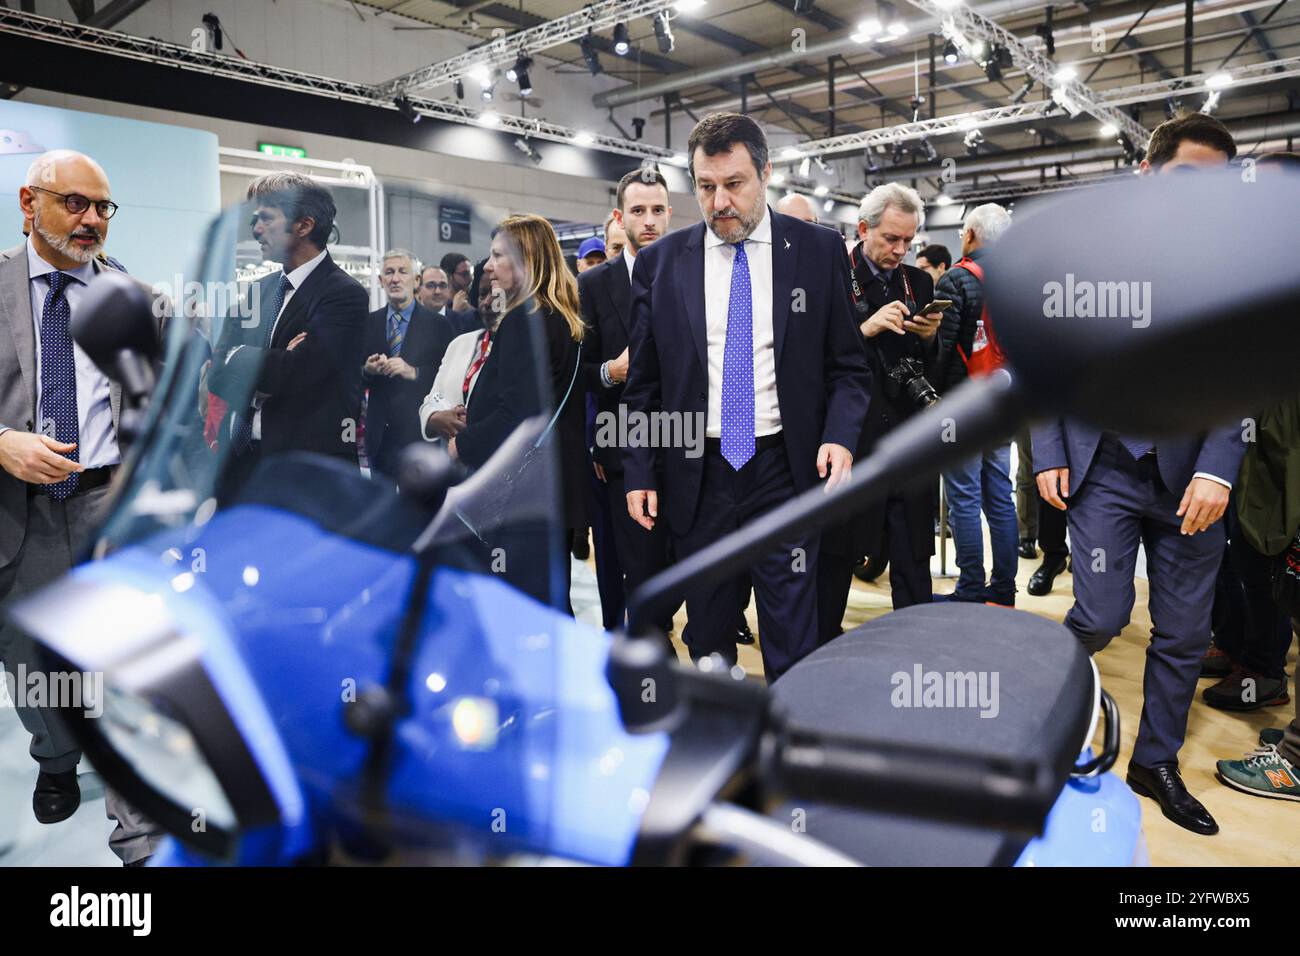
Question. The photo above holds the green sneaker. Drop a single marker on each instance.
(1270, 737)
(1265, 773)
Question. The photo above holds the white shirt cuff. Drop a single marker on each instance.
(1216, 478)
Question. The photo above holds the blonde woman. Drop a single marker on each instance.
(538, 295)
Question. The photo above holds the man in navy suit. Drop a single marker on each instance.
(742, 324)
(1169, 495)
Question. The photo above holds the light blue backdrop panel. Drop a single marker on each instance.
(165, 178)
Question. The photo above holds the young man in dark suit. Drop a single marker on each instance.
(291, 373)
(887, 295)
(742, 324)
(642, 213)
(404, 345)
(1168, 495)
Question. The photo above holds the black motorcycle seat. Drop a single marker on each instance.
(926, 675)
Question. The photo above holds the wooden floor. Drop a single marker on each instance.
(1253, 831)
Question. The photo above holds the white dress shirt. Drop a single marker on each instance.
(96, 440)
(718, 259)
(629, 259)
(296, 278)
(450, 380)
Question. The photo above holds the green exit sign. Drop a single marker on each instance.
(275, 149)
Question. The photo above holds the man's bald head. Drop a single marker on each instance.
(63, 238)
(797, 205)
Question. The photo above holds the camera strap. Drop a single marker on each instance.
(857, 289)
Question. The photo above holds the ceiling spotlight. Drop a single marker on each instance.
(974, 139)
(1217, 81)
(525, 84)
(828, 205)
(521, 65)
(583, 138)
(589, 54)
(459, 87)
(870, 26)
(950, 53)
(489, 118)
(1044, 30)
(1065, 74)
(527, 149)
(638, 126)
(978, 49)
(821, 190)
(943, 199)
(663, 32)
(489, 91)
(822, 165)
(405, 107)
(621, 42)
(931, 154)
(1211, 104)
(481, 73)
(1108, 130)
(1130, 152)
(899, 154)
(805, 167)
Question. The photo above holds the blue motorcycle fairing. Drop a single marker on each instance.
(513, 734)
(1096, 821)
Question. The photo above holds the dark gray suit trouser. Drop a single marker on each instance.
(55, 534)
(1120, 504)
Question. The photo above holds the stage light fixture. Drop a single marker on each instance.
(974, 139)
(638, 127)
(590, 55)
(950, 54)
(1020, 94)
(805, 167)
(663, 32)
(459, 87)
(525, 147)
(621, 42)
(405, 107)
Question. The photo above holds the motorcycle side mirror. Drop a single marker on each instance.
(117, 328)
(1133, 307)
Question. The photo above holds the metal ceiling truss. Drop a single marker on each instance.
(1071, 93)
(503, 50)
(1108, 100)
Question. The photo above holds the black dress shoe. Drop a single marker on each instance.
(1027, 549)
(1040, 582)
(870, 570)
(744, 635)
(56, 796)
(1163, 784)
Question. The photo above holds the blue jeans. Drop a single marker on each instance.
(983, 482)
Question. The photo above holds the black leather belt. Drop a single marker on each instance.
(88, 480)
(761, 442)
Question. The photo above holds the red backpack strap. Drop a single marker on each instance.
(971, 266)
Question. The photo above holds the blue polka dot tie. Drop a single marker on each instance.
(59, 379)
(738, 367)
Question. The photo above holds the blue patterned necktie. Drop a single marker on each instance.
(1137, 447)
(738, 367)
(242, 431)
(395, 334)
(59, 379)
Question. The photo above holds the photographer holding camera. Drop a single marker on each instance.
(902, 349)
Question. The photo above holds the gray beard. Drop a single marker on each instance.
(65, 246)
(747, 223)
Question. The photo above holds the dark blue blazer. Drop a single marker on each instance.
(822, 380)
(1065, 443)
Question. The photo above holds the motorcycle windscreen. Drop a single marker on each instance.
(305, 441)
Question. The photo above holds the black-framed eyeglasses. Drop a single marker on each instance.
(435, 285)
(76, 203)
